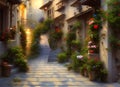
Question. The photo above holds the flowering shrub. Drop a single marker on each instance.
(5, 36)
(94, 28)
(55, 36)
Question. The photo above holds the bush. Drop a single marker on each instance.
(75, 62)
(12, 54)
(62, 57)
(16, 57)
(54, 38)
(23, 37)
(76, 45)
(22, 65)
(34, 49)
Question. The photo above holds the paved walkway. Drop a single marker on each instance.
(49, 74)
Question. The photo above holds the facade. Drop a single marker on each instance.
(8, 21)
(3, 22)
(34, 14)
(66, 12)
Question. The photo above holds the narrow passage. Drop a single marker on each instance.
(48, 74)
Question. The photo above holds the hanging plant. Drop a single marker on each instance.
(95, 24)
(113, 13)
(113, 17)
(55, 37)
(5, 36)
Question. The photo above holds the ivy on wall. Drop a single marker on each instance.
(113, 17)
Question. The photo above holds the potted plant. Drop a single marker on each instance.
(94, 68)
(62, 57)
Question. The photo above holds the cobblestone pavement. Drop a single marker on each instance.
(49, 74)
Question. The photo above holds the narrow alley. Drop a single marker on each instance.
(59, 43)
(48, 74)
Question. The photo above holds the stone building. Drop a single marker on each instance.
(8, 20)
(66, 12)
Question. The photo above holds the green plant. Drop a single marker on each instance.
(54, 38)
(103, 75)
(113, 17)
(94, 65)
(76, 25)
(113, 13)
(70, 37)
(76, 63)
(46, 26)
(16, 57)
(42, 28)
(62, 57)
(13, 53)
(17, 79)
(23, 37)
(81, 70)
(75, 44)
(115, 42)
(34, 49)
(22, 65)
(4, 36)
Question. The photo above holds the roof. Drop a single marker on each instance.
(46, 4)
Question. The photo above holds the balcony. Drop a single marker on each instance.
(60, 6)
(76, 3)
(92, 3)
(83, 13)
(14, 1)
(46, 5)
(59, 17)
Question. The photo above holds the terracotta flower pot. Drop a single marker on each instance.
(91, 51)
(91, 75)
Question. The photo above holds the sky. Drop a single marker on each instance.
(35, 11)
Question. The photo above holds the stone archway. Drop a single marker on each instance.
(44, 40)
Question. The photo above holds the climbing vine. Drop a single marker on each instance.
(113, 17)
(95, 24)
(23, 38)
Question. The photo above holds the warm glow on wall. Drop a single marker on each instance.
(36, 3)
(22, 11)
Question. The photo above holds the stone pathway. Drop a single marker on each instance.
(49, 74)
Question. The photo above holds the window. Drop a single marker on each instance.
(50, 13)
